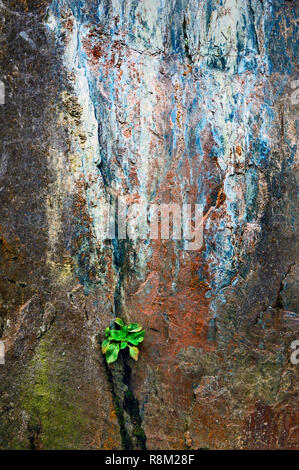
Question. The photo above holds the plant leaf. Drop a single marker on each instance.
(136, 338)
(132, 341)
(123, 345)
(119, 321)
(135, 342)
(105, 345)
(107, 332)
(134, 352)
(112, 352)
(134, 327)
(118, 335)
(139, 334)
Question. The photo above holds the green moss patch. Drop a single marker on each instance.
(55, 419)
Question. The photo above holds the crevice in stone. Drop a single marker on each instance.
(125, 437)
(34, 435)
(2, 327)
(131, 405)
(126, 405)
(186, 40)
(18, 283)
(279, 302)
(102, 172)
(252, 14)
(119, 375)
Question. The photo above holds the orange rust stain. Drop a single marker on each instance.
(97, 51)
(178, 100)
(69, 24)
(4, 243)
(195, 283)
(239, 150)
(189, 70)
(127, 132)
(220, 198)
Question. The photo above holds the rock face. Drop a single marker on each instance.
(184, 101)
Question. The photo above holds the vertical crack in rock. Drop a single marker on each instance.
(118, 405)
(251, 13)
(119, 376)
(186, 40)
(34, 432)
(126, 404)
(279, 300)
(131, 406)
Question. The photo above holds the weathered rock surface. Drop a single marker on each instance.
(184, 101)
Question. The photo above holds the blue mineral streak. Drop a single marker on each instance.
(235, 49)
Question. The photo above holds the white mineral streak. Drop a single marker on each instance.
(86, 151)
(134, 112)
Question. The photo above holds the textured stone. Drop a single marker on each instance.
(186, 101)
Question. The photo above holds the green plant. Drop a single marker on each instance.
(121, 337)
